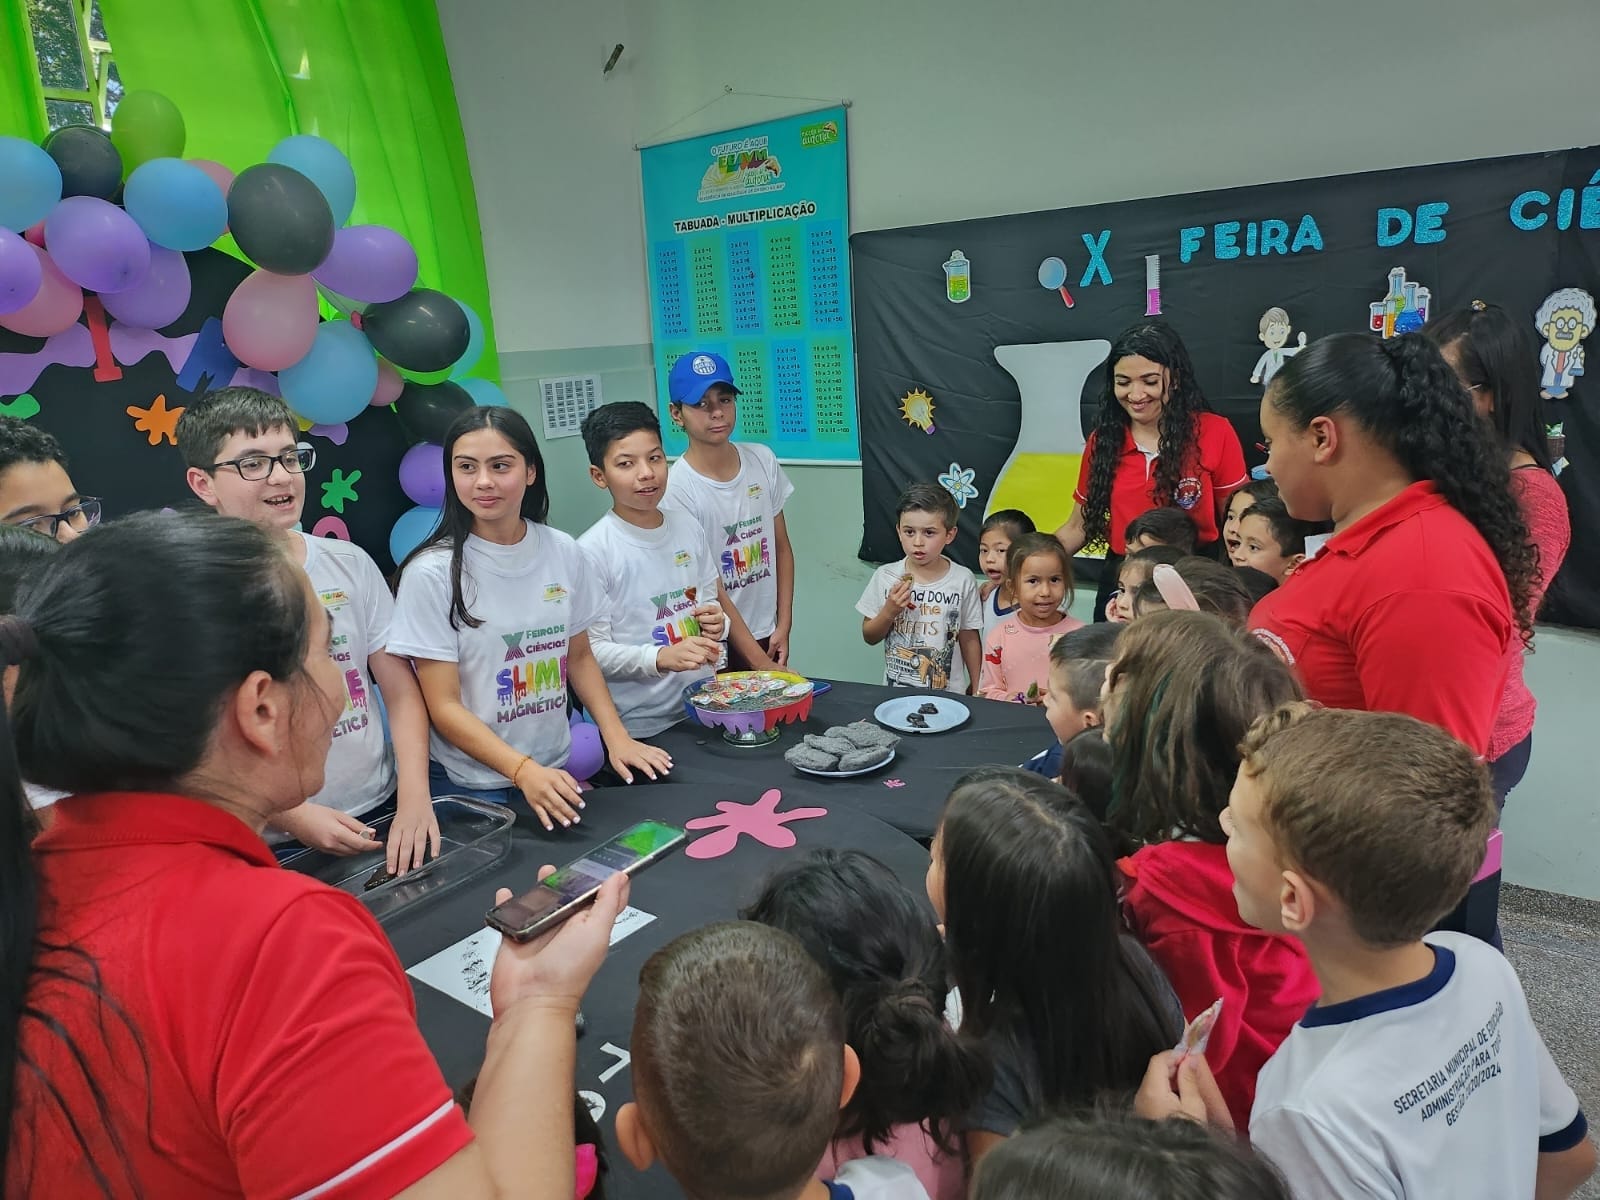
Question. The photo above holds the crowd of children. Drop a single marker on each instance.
(1198, 839)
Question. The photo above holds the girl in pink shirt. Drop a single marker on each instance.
(1016, 654)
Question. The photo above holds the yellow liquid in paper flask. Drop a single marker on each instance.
(1042, 471)
(1040, 485)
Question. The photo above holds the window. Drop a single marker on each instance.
(76, 69)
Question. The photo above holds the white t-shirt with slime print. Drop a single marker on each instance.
(532, 598)
(360, 771)
(644, 574)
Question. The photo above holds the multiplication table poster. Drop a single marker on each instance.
(746, 237)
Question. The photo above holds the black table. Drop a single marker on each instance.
(927, 764)
(684, 893)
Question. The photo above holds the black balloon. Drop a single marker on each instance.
(90, 164)
(427, 410)
(280, 219)
(422, 331)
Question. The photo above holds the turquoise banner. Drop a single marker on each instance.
(748, 254)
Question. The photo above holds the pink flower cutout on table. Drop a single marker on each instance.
(894, 783)
(760, 820)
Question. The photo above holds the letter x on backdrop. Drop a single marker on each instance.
(981, 344)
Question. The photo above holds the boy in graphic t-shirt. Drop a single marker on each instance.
(736, 491)
(664, 612)
(245, 460)
(924, 607)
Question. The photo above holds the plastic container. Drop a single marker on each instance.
(473, 836)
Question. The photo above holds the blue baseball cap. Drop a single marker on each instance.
(694, 374)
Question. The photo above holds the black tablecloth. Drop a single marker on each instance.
(684, 893)
(927, 764)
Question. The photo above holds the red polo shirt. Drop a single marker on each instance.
(1404, 611)
(274, 1050)
(1213, 472)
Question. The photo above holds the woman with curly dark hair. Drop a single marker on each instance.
(1429, 578)
(1156, 444)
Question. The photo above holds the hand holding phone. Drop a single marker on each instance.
(560, 894)
(555, 970)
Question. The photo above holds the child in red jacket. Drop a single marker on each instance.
(1180, 696)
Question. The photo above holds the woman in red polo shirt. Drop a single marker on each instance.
(1156, 444)
(1427, 582)
(180, 1017)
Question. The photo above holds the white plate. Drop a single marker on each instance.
(883, 762)
(893, 713)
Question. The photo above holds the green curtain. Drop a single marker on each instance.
(369, 75)
(21, 101)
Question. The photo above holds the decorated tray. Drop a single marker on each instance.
(749, 706)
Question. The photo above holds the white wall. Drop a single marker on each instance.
(963, 109)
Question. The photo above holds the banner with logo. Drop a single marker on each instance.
(746, 238)
(982, 343)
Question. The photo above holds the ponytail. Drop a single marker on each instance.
(1406, 396)
(1441, 438)
(884, 956)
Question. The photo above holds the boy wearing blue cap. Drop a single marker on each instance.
(737, 492)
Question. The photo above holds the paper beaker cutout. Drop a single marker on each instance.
(1040, 474)
(1053, 275)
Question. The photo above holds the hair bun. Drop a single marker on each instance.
(17, 640)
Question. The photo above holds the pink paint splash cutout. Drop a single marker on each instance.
(760, 820)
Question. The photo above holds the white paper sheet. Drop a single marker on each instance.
(462, 971)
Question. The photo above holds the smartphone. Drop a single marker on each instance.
(555, 899)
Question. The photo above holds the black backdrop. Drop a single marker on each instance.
(113, 459)
(910, 336)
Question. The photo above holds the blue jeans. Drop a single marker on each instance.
(440, 784)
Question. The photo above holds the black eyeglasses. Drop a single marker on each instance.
(259, 466)
(80, 516)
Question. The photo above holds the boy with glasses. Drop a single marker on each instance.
(36, 493)
(245, 460)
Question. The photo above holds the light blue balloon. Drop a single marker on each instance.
(320, 161)
(335, 381)
(414, 525)
(485, 393)
(474, 351)
(30, 184)
(177, 204)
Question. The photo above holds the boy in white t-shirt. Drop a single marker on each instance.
(662, 617)
(925, 607)
(245, 460)
(1418, 1073)
(737, 492)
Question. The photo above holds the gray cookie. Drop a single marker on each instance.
(812, 760)
(829, 744)
(868, 736)
(860, 760)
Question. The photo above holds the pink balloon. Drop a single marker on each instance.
(390, 385)
(35, 234)
(57, 306)
(271, 320)
(219, 174)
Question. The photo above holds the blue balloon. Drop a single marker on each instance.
(30, 184)
(474, 351)
(177, 204)
(414, 525)
(334, 382)
(320, 161)
(485, 393)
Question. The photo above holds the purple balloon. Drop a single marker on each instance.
(370, 263)
(159, 298)
(20, 272)
(97, 245)
(588, 752)
(422, 474)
